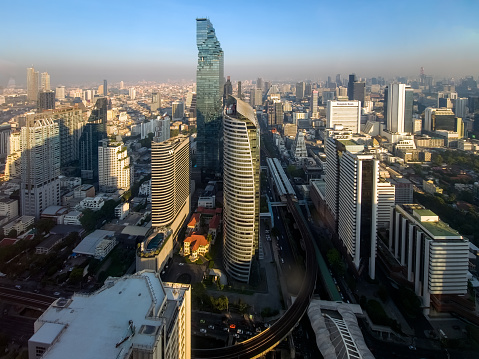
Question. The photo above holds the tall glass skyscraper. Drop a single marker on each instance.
(209, 90)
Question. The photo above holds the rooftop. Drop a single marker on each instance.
(98, 325)
(88, 244)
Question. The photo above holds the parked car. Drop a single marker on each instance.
(202, 330)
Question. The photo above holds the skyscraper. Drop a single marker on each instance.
(94, 131)
(170, 183)
(241, 188)
(46, 100)
(32, 84)
(105, 88)
(239, 90)
(300, 88)
(228, 89)
(352, 80)
(155, 101)
(209, 89)
(177, 110)
(398, 108)
(313, 105)
(114, 170)
(45, 79)
(40, 162)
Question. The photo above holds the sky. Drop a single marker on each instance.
(84, 42)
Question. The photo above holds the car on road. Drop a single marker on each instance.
(202, 321)
(202, 330)
(18, 286)
(232, 326)
(282, 260)
(239, 331)
(181, 264)
(56, 294)
(236, 335)
(226, 329)
(412, 347)
(211, 326)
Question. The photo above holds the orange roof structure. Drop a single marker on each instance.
(194, 219)
(196, 241)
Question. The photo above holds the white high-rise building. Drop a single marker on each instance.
(45, 81)
(32, 84)
(170, 182)
(60, 92)
(435, 255)
(241, 181)
(137, 315)
(313, 105)
(161, 128)
(40, 165)
(132, 93)
(114, 170)
(358, 208)
(346, 113)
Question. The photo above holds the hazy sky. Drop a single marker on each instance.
(81, 42)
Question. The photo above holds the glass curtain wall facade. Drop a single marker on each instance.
(241, 188)
(209, 91)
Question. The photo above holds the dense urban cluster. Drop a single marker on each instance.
(180, 217)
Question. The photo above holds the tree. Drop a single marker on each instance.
(335, 261)
(76, 275)
(44, 225)
(12, 234)
(88, 220)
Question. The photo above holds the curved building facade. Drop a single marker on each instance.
(241, 188)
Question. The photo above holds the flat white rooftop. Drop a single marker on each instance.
(88, 245)
(94, 325)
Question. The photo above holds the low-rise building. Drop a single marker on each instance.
(8, 207)
(93, 203)
(73, 218)
(122, 210)
(431, 188)
(83, 191)
(55, 213)
(195, 245)
(97, 244)
(154, 251)
(19, 224)
(48, 243)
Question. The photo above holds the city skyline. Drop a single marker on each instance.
(308, 42)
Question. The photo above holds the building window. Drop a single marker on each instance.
(40, 351)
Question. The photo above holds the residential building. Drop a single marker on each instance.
(114, 170)
(398, 106)
(241, 190)
(195, 245)
(434, 255)
(177, 110)
(298, 149)
(46, 100)
(313, 105)
(300, 88)
(138, 315)
(19, 224)
(40, 165)
(209, 90)
(93, 203)
(45, 81)
(8, 207)
(345, 113)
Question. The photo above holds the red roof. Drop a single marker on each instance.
(215, 221)
(7, 242)
(196, 241)
(194, 219)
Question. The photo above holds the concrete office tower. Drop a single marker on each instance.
(170, 183)
(352, 80)
(46, 100)
(308, 90)
(60, 92)
(313, 105)
(40, 163)
(345, 113)
(5, 131)
(298, 149)
(435, 255)
(45, 81)
(386, 202)
(177, 110)
(240, 95)
(358, 208)
(256, 97)
(155, 101)
(138, 315)
(327, 96)
(105, 88)
(114, 170)
(209, 90)
(227, 89)
(439, 119)
(241, 189)
(32, 84)
(300, 88)
(122, 85)
(461, 109)
(398, 106)
(94, 131)
(132, 93)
